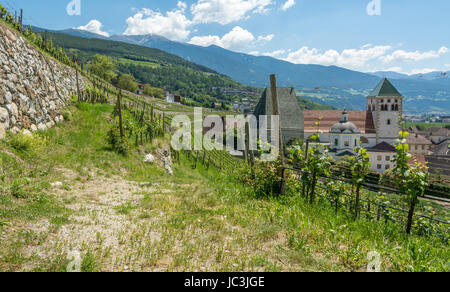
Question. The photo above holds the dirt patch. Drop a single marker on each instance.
(103, 222)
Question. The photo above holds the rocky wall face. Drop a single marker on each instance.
(34, 88)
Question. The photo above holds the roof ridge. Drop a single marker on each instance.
(385, 88)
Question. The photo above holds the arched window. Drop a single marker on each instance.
(393, 108)
(396, 107)
(389, 121)
(373, 108)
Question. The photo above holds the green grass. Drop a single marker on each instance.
(196, 220)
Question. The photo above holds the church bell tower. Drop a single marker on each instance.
(385, 103)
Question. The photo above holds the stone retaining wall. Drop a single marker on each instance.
(34, 88)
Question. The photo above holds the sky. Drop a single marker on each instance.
(405, 36)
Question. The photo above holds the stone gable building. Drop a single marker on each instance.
(291, 115)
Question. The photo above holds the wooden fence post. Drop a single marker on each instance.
(119, 97)
(78, 85)
(358, 188)
(410, 216)
(21, 20)
(164, 123)
(306, 157)
(276, 112)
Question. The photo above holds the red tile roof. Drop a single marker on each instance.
(415, 139)
(362, 119)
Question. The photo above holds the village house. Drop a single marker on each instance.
(140, 89)
(418, 145)
(381, 157)
(434, 134)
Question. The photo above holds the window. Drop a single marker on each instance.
(393, 107)
(389, 121)
(389, 101)
(423, 147)
(388, 158)
(373, 108)
(336, 142)
(416, 147)
(379, 166)
(379, 158)
(346, 144)
(387, 166)
(356, 142)
(396, 107)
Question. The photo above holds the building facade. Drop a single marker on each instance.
(375, 128)
(380, 122)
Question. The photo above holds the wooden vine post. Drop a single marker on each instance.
(306, 157)
(276, 112)
(246, 143)
(119, 107)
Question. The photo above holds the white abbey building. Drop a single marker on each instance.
(375, 128)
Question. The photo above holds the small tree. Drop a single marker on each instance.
(127, 82)
(315, 164)
(410, 179)
(359, 167)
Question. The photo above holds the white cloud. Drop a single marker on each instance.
(359, 59)
(266, 38)
(173, 25)
(350, 58)
(273, 54)
(94, 26)
(288, 5)
(401, 55)
(238, 39)
(227, 11)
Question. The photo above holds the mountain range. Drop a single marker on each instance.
(330, 85)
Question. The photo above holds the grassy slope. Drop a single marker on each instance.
(195, 220)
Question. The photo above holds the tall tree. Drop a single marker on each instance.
(104, 67)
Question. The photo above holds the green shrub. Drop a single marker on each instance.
(117, 143)
(83, 106)
(27, 143)
(16, 189)
(263, 179)
(89, 264)
(67, 115)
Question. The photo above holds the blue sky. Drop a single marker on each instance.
(409, 36)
